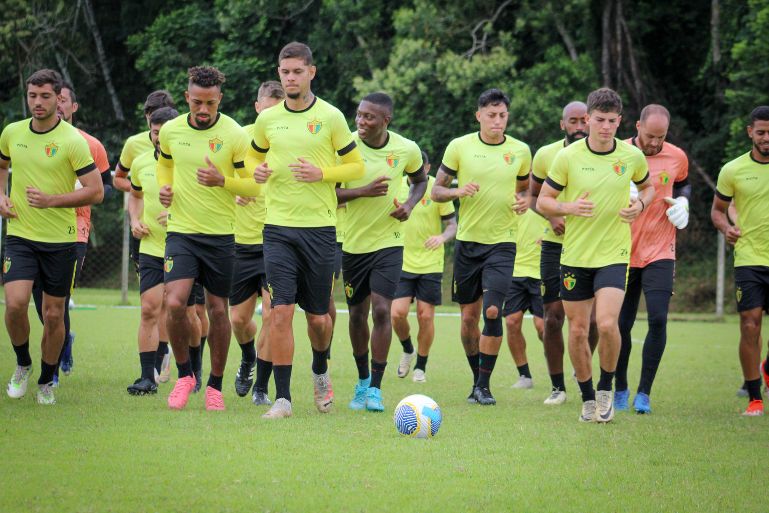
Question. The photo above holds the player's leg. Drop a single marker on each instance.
(151, 309)
(203, 321)
(331, 303)
(578, 314)
(66, 360)
(516, 303)
(246, 283)
(17, 296)
(429, 295)
(180, 330)
(751, 293)
(163, 353)
(356, 270)
(263, 358)
(404, 295)
(467, 291)
(627, 319)
(194, 340)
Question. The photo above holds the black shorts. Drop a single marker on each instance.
(338, 261)
(377, 272)
(150, 272)
(580, 283)
(52, 264)
(299, 264)
(424, 287)
(197, 295)
(208, 259)
(550, 270)
(248, 276)
(657, 276)
(524, 294)
(751, 287)
(481, 267)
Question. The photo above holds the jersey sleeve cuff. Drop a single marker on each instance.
(85, 170)
(257, 148)
(448, 217)
(347, 149)
(239, 165)
(135, 187)
(537, 179)
(555, 185)
(165, 155)
(682, 183)
(446, 169)
(646, 177)
(723, 196)
(521, 178)
(4, 156)
(415, 172)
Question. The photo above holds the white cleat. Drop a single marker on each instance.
(165, 369)
(17, 386)
(524, 383)
(280, 409)
(405, 366)
(419, 376)
(323, 392)
(44, 394)
(556, 397)
(605, 408)
(588, 412)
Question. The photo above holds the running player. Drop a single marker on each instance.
(745, 181)
(652, 256)
(422, 274)
(373, 245)
(492, 170)
(596, 245)
(297, 144)
(48, 155)
(249, 279)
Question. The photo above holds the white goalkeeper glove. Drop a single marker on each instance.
(678, 213)
(633, 192)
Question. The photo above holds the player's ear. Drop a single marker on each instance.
(478, 115)
(312, 72)
(638, 125)
(187, 96)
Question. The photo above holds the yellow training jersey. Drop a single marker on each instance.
(136, 145)
(747, 182)
(144, 178)
(197, 208)
(341, 224)
(528, 245)
(249, 219)
(369, 226)
(540, 166)
(603, 239)
(424, 222)
(51, 162)
(316, 134)
(487, 217)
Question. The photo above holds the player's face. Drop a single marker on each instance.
(42, 101)
(66, 106)
(265, 102)
(295, 77)
(155, 134)
(759, 133)
(493, 120)
(371, 120)
(651, 134)
(603, 125)
(574, 123)
(204, 104)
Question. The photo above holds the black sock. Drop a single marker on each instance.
(361, 361)
(46, 372)
(605, 382)
(754, 389)
(196, 358)
(23, 359)
(248, 351)
(586, 387)
(203, 343)
(485, 368)
(319, 361)
(377, 372)
(147, 361)
(472, 359)
(766, 365)
(185, 369)
(282, 375)
(263, 371)
(215, 382)
(557, 381)
(523, 370)
(160, 354)
(408, 347)
(421, 362)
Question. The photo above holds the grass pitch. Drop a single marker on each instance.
(101, 450)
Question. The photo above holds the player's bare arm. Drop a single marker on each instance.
(448, 234)
(377, 187)
(720, 219)
(91, 193)
(135, 209)
(6, 207)
(442, 191)
(548, 204)
(645, 197)
(417, 190)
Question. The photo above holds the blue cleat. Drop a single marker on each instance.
(67, 361)
(359, 400)
(641, 403)
(374, 399)
(621, 399)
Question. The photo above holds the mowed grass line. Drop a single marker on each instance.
(99, 450)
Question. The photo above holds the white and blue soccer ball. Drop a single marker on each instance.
(418, 416)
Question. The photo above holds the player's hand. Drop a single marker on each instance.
(6, 207)
(558, 224)
(629, 214)
(243, 200)
(378, 187)
(139, 230)
(305, 172)
(582, 207)
(469, 189)
(166, 195)
(210, 176)
(262, 173)
(678, 213)
(162, 218)
(402, 211)
(37, 198)
(434, 242)
(732, 234)
(521, 204)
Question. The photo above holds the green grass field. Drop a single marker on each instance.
(100, 450)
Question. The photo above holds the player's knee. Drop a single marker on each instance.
(53, 315)
(514, 321)
(606, 325)
(318, 322)
(424, 316)
(578, 331)
(238, 319)
(491, 312)
(380, 314)
(150, 313)
(492, 327)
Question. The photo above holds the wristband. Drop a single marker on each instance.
(643, 205)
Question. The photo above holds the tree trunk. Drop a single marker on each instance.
(90, 20)
(567, 40)
(606, 43)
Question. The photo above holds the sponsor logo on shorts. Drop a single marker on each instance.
(348, 290)
(509, 158)
(392, 160)
(51, 149)
(168, 264)
(7, 264)
(269, 290)
(215, 144)
(664, 178)
(314, 126)
(569, 281)
(542, 289)
(737, 293)
(619, 168)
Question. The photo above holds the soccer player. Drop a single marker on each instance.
(373, 244)
(652, 254)
(492, 170)
(48, 155)
(593, 176)
(574, 127)
(201, 156)
(745, 181)
(147, 224)
(297, 144)
(249, 279)
(525, 293)
(422, 274)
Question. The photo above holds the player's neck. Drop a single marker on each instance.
(598, 146)
(756, 155)
(44, 125)
(302, 102)
(378, 141)
(492, 138)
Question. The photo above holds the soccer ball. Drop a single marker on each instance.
(417, 416)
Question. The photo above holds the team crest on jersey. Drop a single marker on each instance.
(737, 293)
(168, 265)
(569, 281)
(215, 144)
(51, 149)
(664, 178)
(509, 158)
(348, 290)
(619, 168)
(7, 264)
(425, 201)
(314, 126)
(392, 160)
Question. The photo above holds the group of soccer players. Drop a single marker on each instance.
(225, 215)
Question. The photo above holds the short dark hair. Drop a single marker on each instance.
(46, 76)
(205, 76)
(270, 89)
(67, 85)
(296, 50)
(605, 100)
(157, 100)
(163, 115)
(652, 109)
(381, 99)
(425, 159)
(493, 97)
(759, 114)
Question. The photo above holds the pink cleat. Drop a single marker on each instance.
(179, 396)
(214, 399)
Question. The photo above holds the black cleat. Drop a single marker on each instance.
(471, 398)
(244, 378)
(143, 386)
(259, 398)
(483, 396)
